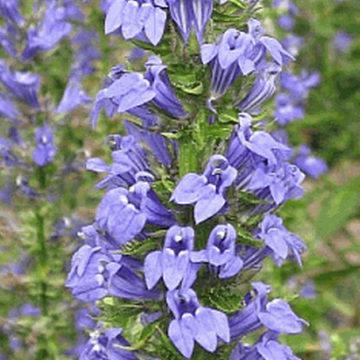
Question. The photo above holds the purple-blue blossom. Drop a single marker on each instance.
(23, 85)
(229, 58)
(220, 252)
(136, 206)
(208, 190)
(106, 345)
(143, 20)
(282, 243)
(189, 14)
(310, 164)
(9, 10)
(194, 322)
(276, 315)
(263, 88)
(266, 348)
(173, 263)
(51, 29)
(45, 150)
(74, 95)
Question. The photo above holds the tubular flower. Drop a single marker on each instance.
(282, 243)
(173, 262)
(262, 90)
(194, 322)
(45, 151)
(207, 191)
(141, 19)
(220, 252)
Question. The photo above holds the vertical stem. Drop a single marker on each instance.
(42, 254)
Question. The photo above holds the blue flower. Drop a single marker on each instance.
(207, 191)
(45, 151)
(125, 93)
(106, 345)
(9, 9)
(276, 315)
(173, 262)
(246, 146)
(135, 207)
(310, 164)
(88, 276)
(74, 95)
(129, 162)
(277, 183)
(165, 98)
(220, 252)
(97, 272)
(266, 348)
(286, 110)
(279, 239)
(194, 322)
(266, 44)
(155, 141)
(229, 58)
(144, 20)
(9, 37)
(191, 13)
(52, 28)
(299, 86)
(24, 85)
(263, 88)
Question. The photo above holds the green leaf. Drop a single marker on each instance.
(193, 88)
(140, 248)
(338, 208)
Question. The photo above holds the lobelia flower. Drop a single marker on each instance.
(279, 239)
(155, 141)
(342, 42)
(299, 86)
(173, 262)
(96, 273)
(191, 13)
(8, 108)
(9, 9)
(136, 207)
(277, 183)
(310, 164)
(229, 58)
(275, 315)
(266, 44)
(52, 28)
(127, 92)
(106, 345)
(45, 151)
(194, 322)
(86, 52)
(24, 85)
(74, 95)
(220, 252)
(286, 110)
(144, 20)
(165, 98)
(263, 88)
(247, 149)
(9, 36)
(129, 162)
(293, 44)
(208, 190)
(266, 348)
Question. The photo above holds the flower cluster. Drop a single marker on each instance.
(291, 101)
(190, 233)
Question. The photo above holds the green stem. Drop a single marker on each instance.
(42, 250)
